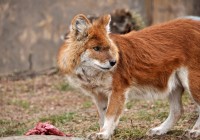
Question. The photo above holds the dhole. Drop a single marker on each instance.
(156, 62)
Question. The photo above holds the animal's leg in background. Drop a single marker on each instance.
(176, 110)
(101, 102)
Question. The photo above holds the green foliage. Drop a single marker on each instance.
(138, 21)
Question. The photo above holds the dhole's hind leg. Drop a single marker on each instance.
(194, 81)
(174, 114)
(195, 131)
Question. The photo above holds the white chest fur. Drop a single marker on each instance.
(91, 81)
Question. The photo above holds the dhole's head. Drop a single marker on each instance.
(88, 44)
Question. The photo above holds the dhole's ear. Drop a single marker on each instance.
(80, 25)
(105, 21)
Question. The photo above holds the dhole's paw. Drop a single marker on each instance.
(156, 131)
(99, 136)
(193, 134)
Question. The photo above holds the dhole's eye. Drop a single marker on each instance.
(97, 48)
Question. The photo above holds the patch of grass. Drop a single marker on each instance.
(87, 104)
(10, 128)
(161, 104)
(94, 127)
(129, 105)
(186, 99)
(144, 115)
(59, 119)
(175, 132)
(64, 86)
(161, 115)
(127, 133)
(124, 118)
(21, 103)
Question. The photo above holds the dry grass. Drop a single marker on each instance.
(23, 103)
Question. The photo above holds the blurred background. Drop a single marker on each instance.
(31, 30)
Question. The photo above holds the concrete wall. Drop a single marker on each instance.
(30, 30)
(164, 10)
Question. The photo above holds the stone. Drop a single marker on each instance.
(40, 137)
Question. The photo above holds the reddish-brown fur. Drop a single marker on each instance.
(157, 51)
(146, 58)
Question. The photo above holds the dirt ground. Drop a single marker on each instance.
(24, 102)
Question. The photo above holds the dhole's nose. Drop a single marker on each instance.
(112, 62)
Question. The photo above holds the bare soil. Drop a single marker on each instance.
(24, 102)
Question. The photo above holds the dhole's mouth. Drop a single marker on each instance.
(103, 67)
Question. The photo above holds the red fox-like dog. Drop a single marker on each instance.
(156, 62)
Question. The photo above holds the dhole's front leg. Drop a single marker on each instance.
(113, 112)
(101, 102)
